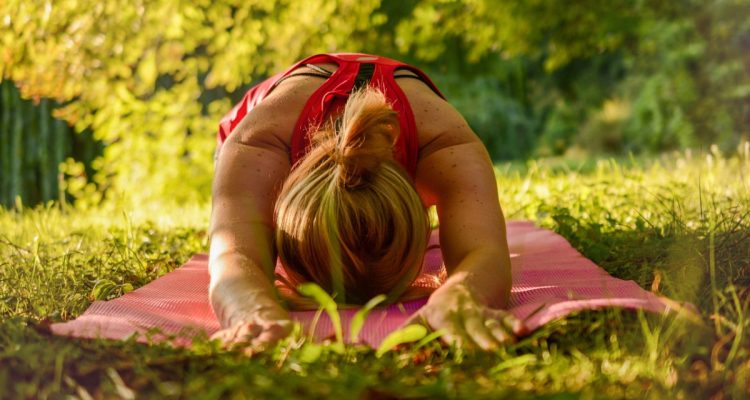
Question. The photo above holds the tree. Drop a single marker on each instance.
(151, 78)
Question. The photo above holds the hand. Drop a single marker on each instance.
(250, 315)
(467, 322)
(254, 335)
(256, 327)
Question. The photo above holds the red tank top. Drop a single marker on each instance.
(332, 95)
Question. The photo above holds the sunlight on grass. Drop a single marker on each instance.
(678, 224)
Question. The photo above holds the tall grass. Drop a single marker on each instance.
(678, 224)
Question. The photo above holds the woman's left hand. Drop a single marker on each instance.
(466, 322)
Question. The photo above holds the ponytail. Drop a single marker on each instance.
(348, 217)
(368, 132)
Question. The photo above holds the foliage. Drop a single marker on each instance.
(659, 215)
(677, 224)
(686, 82)
(151, 79)
(559, 32)
(358, 320)
(325, 302)
(33, 144)
(408, 334)
(506, 125)
(52, 258)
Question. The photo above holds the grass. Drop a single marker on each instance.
(677, 224)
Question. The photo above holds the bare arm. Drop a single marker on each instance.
(472, 226)
(458, 177)
(249, 171)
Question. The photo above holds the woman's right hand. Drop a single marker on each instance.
(254, 334)
(251, 317)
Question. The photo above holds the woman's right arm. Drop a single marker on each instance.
(250, 169)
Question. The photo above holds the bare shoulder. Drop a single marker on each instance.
(271, 123)
(439, 124)
(449, 151)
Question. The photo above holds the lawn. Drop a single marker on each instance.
(677, 224)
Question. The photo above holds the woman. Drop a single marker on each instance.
(332, 164)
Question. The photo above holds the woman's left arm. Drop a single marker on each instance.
(460, 180)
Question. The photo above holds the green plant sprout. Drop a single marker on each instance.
(326, 303)
(640, 219)
(408, 334)
(358, 320)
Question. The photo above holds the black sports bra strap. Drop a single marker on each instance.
(364, 75)
(282, 79)
(322, 73)
(318, 69)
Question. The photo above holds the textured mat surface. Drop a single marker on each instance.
(550, 280)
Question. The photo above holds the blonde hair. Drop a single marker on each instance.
(348, 217)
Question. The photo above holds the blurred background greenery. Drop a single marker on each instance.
(141, 85)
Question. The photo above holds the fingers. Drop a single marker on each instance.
(485, 328)
(466, 327)
(272, 333)
(498, 331)
(509, 321)
(505, 326)
(253, 337)
(238, 333)
(452, 339)
(454, 332)
(464, 322)
(478, 331)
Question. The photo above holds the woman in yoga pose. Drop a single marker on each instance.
(331, 166)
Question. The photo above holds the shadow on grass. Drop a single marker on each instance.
(685, 263)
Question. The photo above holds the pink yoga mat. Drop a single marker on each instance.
(550, 280)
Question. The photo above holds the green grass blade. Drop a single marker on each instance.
(429, 338)
(317, 293)
(407, 334)
(524, 359)
(358, 321)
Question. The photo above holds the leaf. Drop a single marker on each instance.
(407, 334)
(147, 72)
(514, 362)
(310, 352)
(358, 320)
(429, 338)
(127, 288)
(325, 301)
(103, 289)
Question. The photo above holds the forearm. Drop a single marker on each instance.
(240, 290)
(486, 274)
